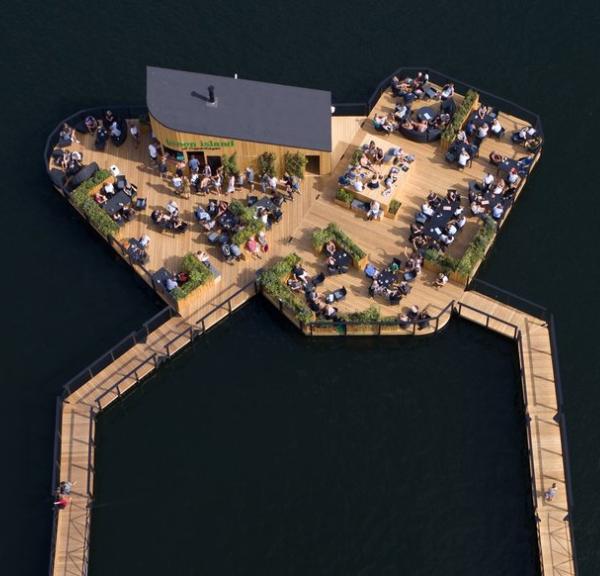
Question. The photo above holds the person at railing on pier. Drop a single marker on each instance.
(61, 502)
(524, 134)
(423, 320)
(109, 118)
(403, 320)
(330, 312)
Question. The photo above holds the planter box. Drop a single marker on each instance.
(342, 203)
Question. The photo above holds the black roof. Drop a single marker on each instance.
(245, 110)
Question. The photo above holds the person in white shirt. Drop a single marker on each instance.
(488, 180)
(273, 183)
(463, 158)
(496, 127)
(452, 229)
(144, 241)
(427, 209)
(109, 188)
(441, 280)
(447, 91)
(231, 185)
(497, 211)
(374, 211)
(461, 221)
(513, 176)
(135, 134)
(483, 131)
(177, 183)
(114, 130)
(358, 185)
(153, 153)
(172, 208)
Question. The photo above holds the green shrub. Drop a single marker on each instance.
(243, 212)
(344, 195)
(230, 167)
(394, 206)
(266, 163)
(371, 315)
(198, 273)
(294, 163)
(97, 216)
(460, 116)
(321, 236)
(473, 254)
(272, 282)
(356, 156)
(244, 234)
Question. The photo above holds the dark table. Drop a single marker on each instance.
(136, 251)
(266, 203)
(386, 277)
(509, 163)
(443, 214)
(227, 220)
(118, 201)
(426, 113)
(342, 259)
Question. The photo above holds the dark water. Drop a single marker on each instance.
(360, 457)
(66, 298)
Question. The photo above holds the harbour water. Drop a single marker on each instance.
(346, 460)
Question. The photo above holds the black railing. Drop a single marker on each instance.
(123, 111)
(439, 78)
(510, 299)
(137, 337)
(562, 422)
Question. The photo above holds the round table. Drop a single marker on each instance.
(426, 113)
(386, 278)
(342, 259)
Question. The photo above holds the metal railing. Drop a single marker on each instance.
(439, 78)
(376, 327)
(540, 312)
(510, 299)
(136, 337)
(117, 389)
(120, 110)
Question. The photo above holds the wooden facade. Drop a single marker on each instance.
(246, 152)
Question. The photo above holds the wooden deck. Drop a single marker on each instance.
(315, 207)
(546, 443)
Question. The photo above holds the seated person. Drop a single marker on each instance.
(330, 247)
(451, 228)
(91, 124)
(403, 321)
(253, 247)
(404, 288)
(262, 241)
(512, 178)
(236, 252)
(170, 284)
(497, 211)
(413, 312)
(423, 320)
(441, 280)
(330, 312)
(461, 221)
(172, 208)
(201, 214)
(177, 224)
(427, 209)
(446, 239)
(294, 285)
(401, 112)
(416, 228)
(418, 242)
(300, 274)
(483, 131)
(378, 156)
(477, 209)
(420, 126)
(373, 184)
(463, 159)
(461, 136)
(67, 136)
(144, 241)
(447, 91)
(226, 251)
(488, 180)
(375, 211)
(358, 185)
(496, 128)
(100, 198)
(452, 195)
(524, 134)
(128, 213)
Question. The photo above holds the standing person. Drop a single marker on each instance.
(194, 165)
(153, 151)
(231, 184)
(135, 134)
(250, 177)
(550, 494)
(61, 502)
(273, 181)
(207, 171)
(163, 167)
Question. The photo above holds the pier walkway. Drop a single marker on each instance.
(545, 422)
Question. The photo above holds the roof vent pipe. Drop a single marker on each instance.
(211, 94)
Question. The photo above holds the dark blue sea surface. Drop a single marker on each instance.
(386, 494)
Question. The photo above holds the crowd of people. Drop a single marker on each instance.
(322, 304)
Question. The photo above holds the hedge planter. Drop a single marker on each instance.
(333, 233)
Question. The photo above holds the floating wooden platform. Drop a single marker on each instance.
(315, 207)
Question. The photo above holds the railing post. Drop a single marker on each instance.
(229, 304)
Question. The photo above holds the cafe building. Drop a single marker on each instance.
(208, 116)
